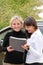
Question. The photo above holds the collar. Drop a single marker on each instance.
(36, 33)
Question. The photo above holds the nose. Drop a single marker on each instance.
(16, 25)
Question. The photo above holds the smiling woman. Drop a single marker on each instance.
(12, 56)
(34, 43)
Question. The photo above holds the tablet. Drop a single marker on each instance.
(16, 43)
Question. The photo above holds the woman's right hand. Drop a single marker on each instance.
(10, 49)
(26, 47)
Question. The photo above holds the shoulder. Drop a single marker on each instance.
(22, 30)
(8, 34)
(23, 33)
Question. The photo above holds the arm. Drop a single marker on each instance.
(36, 48)
(6, 46)
(5, 42)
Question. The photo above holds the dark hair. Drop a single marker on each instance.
(30, 21)
(28, 35)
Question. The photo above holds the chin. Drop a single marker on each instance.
(17, 31)
(29, 32)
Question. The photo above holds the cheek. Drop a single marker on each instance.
(26, 28)
(19, 26)
(29, 29)
(13, 27)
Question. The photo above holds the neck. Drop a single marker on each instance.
(34, 30)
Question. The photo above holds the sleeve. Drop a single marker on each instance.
(35, 47)
(5, 42)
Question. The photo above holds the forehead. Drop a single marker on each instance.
(16, 21)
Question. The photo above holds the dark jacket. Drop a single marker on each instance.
(13, 57)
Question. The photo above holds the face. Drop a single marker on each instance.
(16, 25)
(30, 29)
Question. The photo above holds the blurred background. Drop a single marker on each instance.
(9, 8)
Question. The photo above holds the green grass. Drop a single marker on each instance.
(9, 8)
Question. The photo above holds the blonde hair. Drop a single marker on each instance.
(16, 17)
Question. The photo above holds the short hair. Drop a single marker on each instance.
(16, 17)
(30, 21)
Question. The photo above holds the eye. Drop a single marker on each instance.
(18, 24)
(14, 24)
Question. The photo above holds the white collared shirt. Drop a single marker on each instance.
(35, 43)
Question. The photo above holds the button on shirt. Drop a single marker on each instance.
(35, 43)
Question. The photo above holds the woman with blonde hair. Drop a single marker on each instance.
(13, 57)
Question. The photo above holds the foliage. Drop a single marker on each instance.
(9, 8)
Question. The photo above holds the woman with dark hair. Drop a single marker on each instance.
(34, 45)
